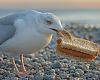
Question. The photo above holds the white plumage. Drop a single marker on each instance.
(31, 31)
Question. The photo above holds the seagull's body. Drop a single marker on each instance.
(16, 33)
(26, 38)
(28, 31)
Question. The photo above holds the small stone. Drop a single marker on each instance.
(72, 67)
(71, 71)
(57, 71)
(64, 76)
(56, 65)
(76, 74)
(65, 61)
(36, 65)
(49, 77)
(89, 75)
(95, 72)
(2, 71)
(57, 77)
(64, 69)
(79, 66)
(49, 71)
(37, 76)
(45, 56)
(92, 65)
(86, 67)
(81, 72)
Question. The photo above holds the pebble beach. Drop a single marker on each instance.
(47, 65)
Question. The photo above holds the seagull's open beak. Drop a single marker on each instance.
(55, 30)
(62, 33)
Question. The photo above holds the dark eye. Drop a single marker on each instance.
(49, 22)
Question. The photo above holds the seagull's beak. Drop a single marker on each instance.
(55, 30)
(60, 32)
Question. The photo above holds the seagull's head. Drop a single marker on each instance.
(49, 23)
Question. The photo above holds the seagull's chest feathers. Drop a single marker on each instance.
(28, 39)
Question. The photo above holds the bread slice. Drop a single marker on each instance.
(77, 47)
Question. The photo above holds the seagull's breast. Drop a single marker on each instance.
(27, 40)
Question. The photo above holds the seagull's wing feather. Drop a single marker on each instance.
(9, 19)
(7, 29)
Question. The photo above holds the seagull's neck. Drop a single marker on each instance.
(46, 39)
(46, 36)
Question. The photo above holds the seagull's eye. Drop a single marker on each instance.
(49, 22)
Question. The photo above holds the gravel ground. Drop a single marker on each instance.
(47, 65)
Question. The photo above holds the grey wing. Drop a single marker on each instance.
(7, 29)
(6, 32)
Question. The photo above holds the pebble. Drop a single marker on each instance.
(37, 76)
(49, 71)
(57, 71)
(89, 75)
(49, 77)
(72, 67)
(56, 64)
(80, 71)
(36, 65)
(64, 76)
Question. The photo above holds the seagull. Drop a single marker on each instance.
(25, 32)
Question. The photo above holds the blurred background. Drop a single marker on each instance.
(69, 11)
